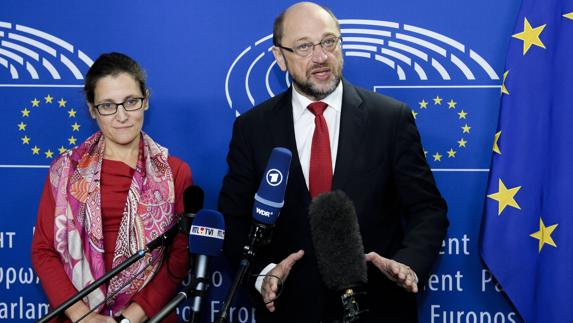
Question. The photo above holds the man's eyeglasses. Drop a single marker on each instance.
(306, 49)
(109, 108)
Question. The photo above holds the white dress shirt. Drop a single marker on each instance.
(303, 131)
(304, 125)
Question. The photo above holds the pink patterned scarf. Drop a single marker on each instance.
(78, 237)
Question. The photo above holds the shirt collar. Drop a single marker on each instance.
(301, 102)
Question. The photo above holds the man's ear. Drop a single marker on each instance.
(280, 58)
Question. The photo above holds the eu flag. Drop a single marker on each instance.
(527, 229)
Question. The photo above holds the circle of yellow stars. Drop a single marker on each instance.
(47, 102)
(462, 115)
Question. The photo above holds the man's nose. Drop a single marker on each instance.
(318, 53)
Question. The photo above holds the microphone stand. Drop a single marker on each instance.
(162, 239)
(260, 236)
(351, 309)
(182, 296)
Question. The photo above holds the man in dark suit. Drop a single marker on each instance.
(373, 153)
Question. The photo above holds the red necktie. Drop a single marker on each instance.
(320, 171)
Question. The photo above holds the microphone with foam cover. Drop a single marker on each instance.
(207, 233)
(193, 198)
(269, 199)
(205, 240)
(338, 248)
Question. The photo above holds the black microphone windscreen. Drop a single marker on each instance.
(337, 241)
(193, 198)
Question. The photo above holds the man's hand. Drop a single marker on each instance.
(271, 283)
(403, 275)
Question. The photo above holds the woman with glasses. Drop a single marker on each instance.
(106, 199)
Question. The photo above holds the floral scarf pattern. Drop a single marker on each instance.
(78, 236)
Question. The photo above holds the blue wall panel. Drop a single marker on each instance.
(207, 62)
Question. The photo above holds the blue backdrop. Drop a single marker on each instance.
(209, 61)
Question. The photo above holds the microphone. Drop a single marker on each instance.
(193, 200)
(339, 250)
(269, 199)
(205, 239)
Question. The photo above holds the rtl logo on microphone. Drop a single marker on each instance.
(207, 232)
(274, 177)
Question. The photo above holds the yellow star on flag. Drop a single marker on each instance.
(423, 104)
(462, 143)
(466, 128)
(75, 127)
(530, 36)
(452, 104)
(414, 114)
(437, 100)
(569, 15)
(21, 126)
(35, 150)
(425, 153)
(462, 114)
(437, 157)
(505, 197)
(72, 140)
(25, 140)
(35, 102)
(62, 149)
(544, 235)
(49, 154)
(503, 88)
(72, 113)
(25, 112)
(62, 103)
(495, 140)
(451, 153)
(49, 99)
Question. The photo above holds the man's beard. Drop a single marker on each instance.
(310, 89)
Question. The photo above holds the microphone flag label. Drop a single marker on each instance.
(202, 231)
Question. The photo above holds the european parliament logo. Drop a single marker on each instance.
(44, 113)
(448, 85)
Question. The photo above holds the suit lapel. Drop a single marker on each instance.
(350, 137)
(352, 120)
(282, 129)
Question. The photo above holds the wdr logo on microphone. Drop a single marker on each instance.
(274, 177)
(201, 231)
(264, 213)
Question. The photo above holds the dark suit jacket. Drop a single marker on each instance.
(380, 165)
